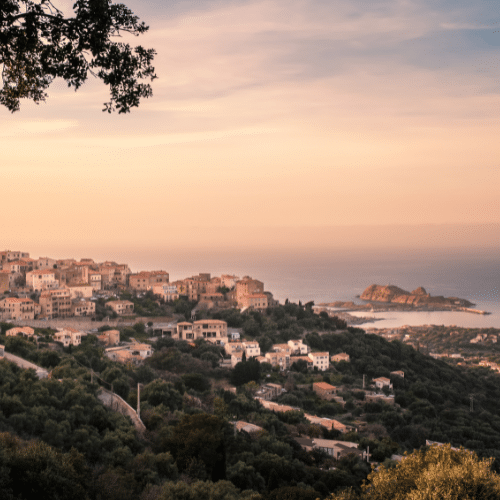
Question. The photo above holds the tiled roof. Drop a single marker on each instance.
(323, 385)
(210, 321)
(246, 426)
(20, 329)
(69, 330)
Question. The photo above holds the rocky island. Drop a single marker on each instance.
(379, 298)
(418, 297)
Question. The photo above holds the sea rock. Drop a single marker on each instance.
(383, 293)
(419, 296)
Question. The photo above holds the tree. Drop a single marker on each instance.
(202, 490)
(245, 371)
(438, 472)
(38, 471)
(200, 439)
(38, 43)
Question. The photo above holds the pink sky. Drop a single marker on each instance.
(268, 114)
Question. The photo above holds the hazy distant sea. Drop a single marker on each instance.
(325, 276)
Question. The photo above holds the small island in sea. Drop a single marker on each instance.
(392, 298)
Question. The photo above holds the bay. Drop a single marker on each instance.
(343, 274)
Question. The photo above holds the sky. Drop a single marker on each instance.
(278, 122)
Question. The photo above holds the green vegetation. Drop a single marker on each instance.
(190, 449)
(40, 44)
(437, 473)
(449, 340)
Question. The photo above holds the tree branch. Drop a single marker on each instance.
(40, 14)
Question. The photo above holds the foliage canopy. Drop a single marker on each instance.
(439, 472)
(38, 43)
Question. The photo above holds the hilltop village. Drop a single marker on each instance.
(207, 387)
(47, 288)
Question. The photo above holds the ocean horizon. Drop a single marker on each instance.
(343, 274)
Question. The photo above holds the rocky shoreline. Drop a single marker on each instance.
(389, 298)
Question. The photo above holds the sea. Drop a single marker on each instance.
(342, 274)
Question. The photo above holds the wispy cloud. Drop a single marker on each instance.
(30, 128)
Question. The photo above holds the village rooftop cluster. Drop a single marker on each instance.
(61, 288)
(47, 288)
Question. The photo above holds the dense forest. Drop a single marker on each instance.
(57, 438)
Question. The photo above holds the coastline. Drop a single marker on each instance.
(353, 315)
(339, 307)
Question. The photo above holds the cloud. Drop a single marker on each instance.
(27, 128)
(463, 26)
(151, 140)
(267, 43)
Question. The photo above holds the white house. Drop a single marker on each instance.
(382, 382)
(321, 360)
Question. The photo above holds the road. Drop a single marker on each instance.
(22, 363)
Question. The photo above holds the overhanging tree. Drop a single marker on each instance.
(38, 43)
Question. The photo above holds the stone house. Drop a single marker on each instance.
(14, 308)
(22, 331)
(110, 337)
(39, 280)
(325, 390)
(55, 303)
(68, 336)
(121, 307)
(382, 382)
(298, 348)
(340, 357)
(321, 360)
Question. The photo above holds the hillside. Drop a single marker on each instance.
(187, 410)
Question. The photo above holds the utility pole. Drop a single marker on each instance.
(363, 381)
(139, 400)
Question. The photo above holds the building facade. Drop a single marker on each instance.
(14, 308)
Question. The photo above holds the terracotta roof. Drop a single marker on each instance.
(246, 426)
(21, 329)
(149, 273)
(69, 330)
(323, 385)
(140, 347)
(210, 321)
(281, 346)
